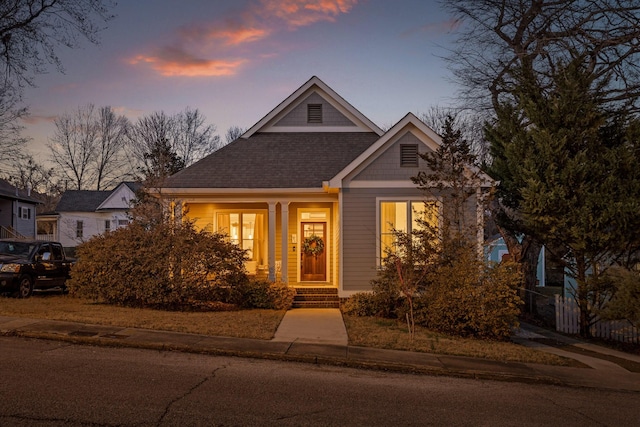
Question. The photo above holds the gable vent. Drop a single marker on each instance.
(314, 113)
(409, 155)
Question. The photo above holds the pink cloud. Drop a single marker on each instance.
(173, 62)
(217, 41)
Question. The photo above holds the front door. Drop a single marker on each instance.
(313, 254)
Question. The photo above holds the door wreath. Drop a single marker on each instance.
(313, 245)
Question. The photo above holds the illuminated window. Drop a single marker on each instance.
(403, 216)
(245, 230)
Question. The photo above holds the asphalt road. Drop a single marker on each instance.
(50, 383)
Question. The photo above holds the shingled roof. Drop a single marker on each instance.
(10, 192)
(81, 200)
(275, 160)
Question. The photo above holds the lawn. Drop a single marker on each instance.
(262, 324)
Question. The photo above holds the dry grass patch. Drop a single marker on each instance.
(391, 334)
(259, 324)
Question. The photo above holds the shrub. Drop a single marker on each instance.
(254, 293)
(163, 266)
(360, 304)
(470, 298)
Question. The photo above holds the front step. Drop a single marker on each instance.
(316, 298)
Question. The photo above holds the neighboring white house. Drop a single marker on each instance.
(82, 214)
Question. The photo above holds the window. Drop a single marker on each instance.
(107, 225)
(245, 229)
(79, 229)
(24, 213)
(314, 113)
(123, 222)
(56, 252)
(409, 155)
(403, 216)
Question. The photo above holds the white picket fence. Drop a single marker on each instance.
(568, 321)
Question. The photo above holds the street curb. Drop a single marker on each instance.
(310, 359)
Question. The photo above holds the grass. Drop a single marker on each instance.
(259, 324)
(391, 334)
(262, 324)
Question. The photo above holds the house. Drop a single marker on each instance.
(313, 190)
(17, 212)
(82, 214)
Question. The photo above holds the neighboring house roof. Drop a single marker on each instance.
(275, 160)
(81, 200)
(9, 191)
(91, 200)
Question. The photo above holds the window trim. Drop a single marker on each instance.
(408, 200)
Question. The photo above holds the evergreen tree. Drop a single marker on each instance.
(569, 172)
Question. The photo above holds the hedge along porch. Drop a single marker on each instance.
(314, 172)
(273, 231)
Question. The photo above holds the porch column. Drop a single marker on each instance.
(272, 241)
(284, 212)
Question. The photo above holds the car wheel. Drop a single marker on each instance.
(25, 288)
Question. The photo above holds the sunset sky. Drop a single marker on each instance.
(236, 60)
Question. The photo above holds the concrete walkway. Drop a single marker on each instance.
(312, 325)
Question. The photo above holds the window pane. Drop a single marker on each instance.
(423, 213)
(248, 231)
(393, 217)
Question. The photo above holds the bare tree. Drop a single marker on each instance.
(469, 123)
(179, 140)
(11, 141)
(233, 133)
(89, 147)
(192, 138)
(501, 40)
(111, 162)
(27, 172)
(32, 30)
(73, 146)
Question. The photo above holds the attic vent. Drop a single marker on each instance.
(409, 155)
(314, 113)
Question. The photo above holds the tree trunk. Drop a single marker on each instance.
(526, 254)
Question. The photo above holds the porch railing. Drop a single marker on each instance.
(10, 233)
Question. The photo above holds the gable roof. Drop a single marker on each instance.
(314, 84)
(89, 200)
(81, 200)
(275, 160)
(126, 191)
(408, 123)
(11, 192)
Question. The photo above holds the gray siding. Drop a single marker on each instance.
(330, 115)
(387, 165)
(360, 228)
(359, 233)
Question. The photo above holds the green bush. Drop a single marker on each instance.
(163, 266)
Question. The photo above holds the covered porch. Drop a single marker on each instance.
(293, 240)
